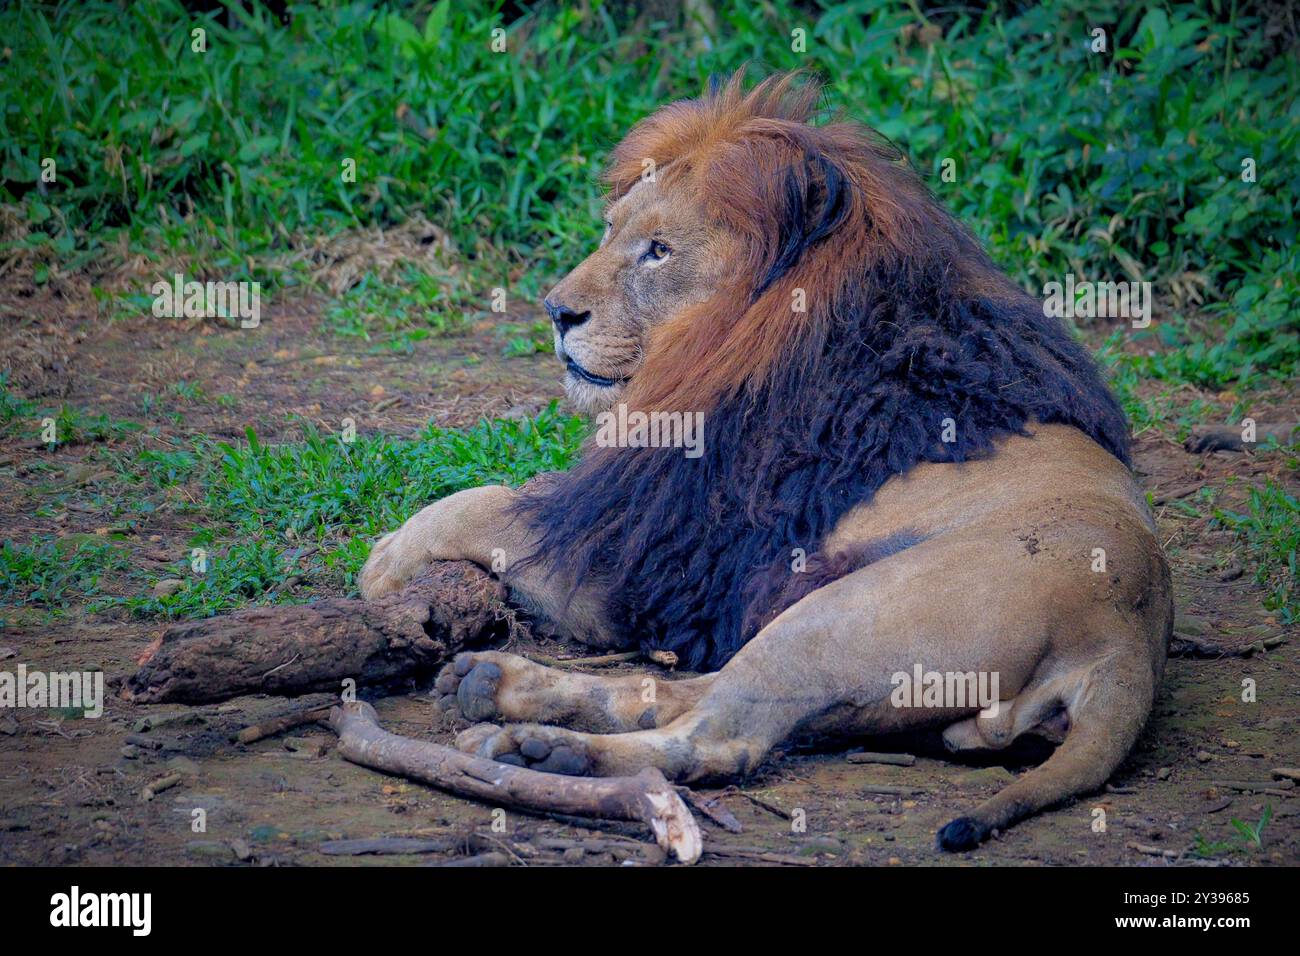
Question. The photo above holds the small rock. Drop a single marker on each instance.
(1204, 756)
(183, 765)
(8, 726)
(1187, 624)
(1231, 572)
(243, 852)
(1164, 773)
(7, 652)
(1287, 773)
(574, 854)
(131, 752)
(167, 587)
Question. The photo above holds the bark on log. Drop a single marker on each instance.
(647, 798)
(313, 647)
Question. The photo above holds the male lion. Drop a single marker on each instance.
(877, 398)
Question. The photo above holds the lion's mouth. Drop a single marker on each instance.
(591, 377)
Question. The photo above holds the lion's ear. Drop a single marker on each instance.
(814, 201)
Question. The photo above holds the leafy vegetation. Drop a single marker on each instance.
(1270, 526)
(270, 512)
(1167, 156)
(51, 572)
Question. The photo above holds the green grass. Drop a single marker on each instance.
(269, 513)
(51, 573)
(24, 419)
(337, 497)
(1253, 833)
(1122, 164)
(1270, 528)
(401, 310)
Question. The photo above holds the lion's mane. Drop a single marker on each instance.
(807, 413)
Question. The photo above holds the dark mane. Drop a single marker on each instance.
(908, 324)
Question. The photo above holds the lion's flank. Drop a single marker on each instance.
(907, 324)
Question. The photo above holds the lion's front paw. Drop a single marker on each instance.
(388, 568)
(468, 687)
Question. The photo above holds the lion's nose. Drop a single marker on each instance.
(564, 317)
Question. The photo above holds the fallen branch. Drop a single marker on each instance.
(713, 808)
(646, 798)
(278, 725)
(1206, 438)
(1189, 645)
(302, 648)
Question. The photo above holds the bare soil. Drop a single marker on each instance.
(71, 790)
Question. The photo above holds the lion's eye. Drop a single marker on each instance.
(658, 251)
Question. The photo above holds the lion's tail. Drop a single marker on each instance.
(1106, 717)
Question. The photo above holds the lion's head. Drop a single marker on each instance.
(660, 254)
(711, 202)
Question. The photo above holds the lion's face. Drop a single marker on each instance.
(658, 256)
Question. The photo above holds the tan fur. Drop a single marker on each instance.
(1003, 582)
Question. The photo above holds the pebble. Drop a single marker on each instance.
(1231, 572)
(183, 765)
(1204, 756)
(1164, 773)
(167, 587)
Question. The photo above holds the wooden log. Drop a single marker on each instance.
(298, 649)
(646, 798)
(1206, 438)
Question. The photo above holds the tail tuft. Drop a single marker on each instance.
(962, 834)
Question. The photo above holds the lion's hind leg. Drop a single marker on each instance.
(1099, 713)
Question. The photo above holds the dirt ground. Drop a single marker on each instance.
(71, 789)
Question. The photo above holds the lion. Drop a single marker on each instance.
(907, 470)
